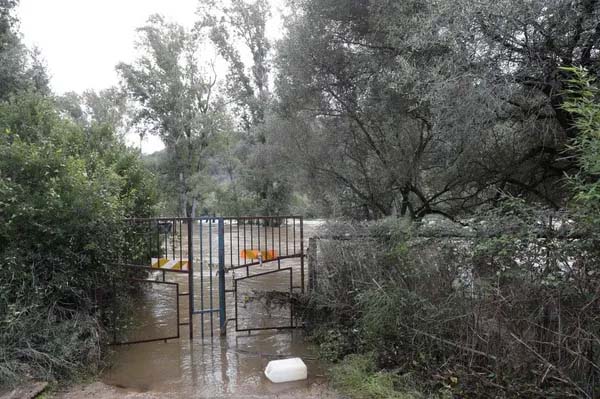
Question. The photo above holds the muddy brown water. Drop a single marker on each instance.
(213, 366)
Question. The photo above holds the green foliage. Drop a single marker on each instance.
(65, 187)
(415, 107)
(178, 101)
(584, 104)
(333, 343)
(357, 377)
(64, 192)
(261, 179)
(473, 315)
(20, 68)
(233, 23)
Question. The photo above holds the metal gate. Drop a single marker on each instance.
(232, 265)
(266, 263)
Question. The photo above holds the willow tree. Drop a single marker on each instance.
(175, 90)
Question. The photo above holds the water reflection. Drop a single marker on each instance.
(210, 368)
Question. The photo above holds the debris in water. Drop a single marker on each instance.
(286, 370)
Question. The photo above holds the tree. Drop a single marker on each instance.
(177, 100)
(107, 107)
(20, 68)
(238, 30)
(65, 188)
(229, 25)
(534, 39)
(415, 107)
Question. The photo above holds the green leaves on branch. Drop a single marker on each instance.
(583, 102)
(64, 192)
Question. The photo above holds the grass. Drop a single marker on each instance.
(356, 376)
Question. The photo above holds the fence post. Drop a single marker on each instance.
(222, 310)
(312, 263)
(190, 229)
(302, 253)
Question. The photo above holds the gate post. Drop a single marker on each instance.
(302, 254)
(190, 229)
(312, 264)
(222, 310)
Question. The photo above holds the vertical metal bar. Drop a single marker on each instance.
(145, 229)
(294, 233)
(177, 304)
(245, 258)
(173, 229)
(190, 228)
(158, 253)
(302, 253)
(279, 237)
(222, 308)
(238, 241)
(210, 281)
(245, 248)
(166, 242)
(287, 249)
(258, 233)
(251, 235)
(312, 263)
(235, 298)
(231, 242)
(201, 280)
(291, 302)
(181, 241)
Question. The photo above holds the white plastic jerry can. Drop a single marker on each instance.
(286, 370)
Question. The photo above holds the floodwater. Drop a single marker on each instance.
(211, 366)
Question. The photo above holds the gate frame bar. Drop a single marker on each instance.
(190, 240)
(142, 341)
(235, 293)
(222, 304)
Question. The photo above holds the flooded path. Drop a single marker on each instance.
(213, 367)
(225, 368)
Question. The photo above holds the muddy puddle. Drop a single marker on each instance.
(209, 365)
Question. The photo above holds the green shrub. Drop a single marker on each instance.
(357, 376)
(499, 311)
(333, 343)
(64, 192)
(584, 104)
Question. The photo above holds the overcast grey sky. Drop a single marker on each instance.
(83, 40)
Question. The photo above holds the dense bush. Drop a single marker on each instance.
(508, 309)
(506, 306)
(64, 190)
